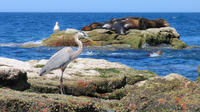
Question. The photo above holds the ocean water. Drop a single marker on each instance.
(26, 28)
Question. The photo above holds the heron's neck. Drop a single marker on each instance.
(80, 47)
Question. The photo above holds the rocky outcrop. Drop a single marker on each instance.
(94, 85)
(13, 78)
(134, 38)
(172, 93)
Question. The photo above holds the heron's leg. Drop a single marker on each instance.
(61, 82)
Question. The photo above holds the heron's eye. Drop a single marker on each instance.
(83, 32)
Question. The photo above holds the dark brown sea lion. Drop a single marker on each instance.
(131, 24)
(157, 23)
(92, 26)
(86, 28)
(96, 25)
(128, 18)
(161, 23)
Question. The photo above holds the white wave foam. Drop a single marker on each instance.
(123, 54)
(174, 17)
(89, 53)
(9, 44)
(154, 54)
(33, 42)
(20, 44)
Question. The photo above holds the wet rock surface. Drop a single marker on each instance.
(100, 87)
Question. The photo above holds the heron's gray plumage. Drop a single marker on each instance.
(62, 58)
(58, 60)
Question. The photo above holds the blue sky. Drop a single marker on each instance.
(100, 6)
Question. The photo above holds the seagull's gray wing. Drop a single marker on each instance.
(58, 60)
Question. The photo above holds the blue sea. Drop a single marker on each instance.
(26, 28)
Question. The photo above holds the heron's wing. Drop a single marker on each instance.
(59, 59)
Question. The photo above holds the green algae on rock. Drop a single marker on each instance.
(134, 38)
(164, 94)
(178, 44)
(107, 85)
(39, 66)
(63, 39)
(33, 102)
(94, 93)
(171, 93)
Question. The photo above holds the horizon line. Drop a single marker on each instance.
(85, 12)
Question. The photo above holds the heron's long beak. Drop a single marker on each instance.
(93, 42)
(85, 35)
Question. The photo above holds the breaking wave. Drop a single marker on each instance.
(21, 44)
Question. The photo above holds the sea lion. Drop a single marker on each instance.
(144, 23)
(115, 25)
(136, 23)
(86, 28)
(107, 25)
(121, 25)
(96, 25)
(118, 27)
(161, 23)
(131, 24)
(157, 23)
(92, 26)
(128, 18)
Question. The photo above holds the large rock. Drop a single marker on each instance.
(94, 85)
(157, 94)
(172, 93)
(134, 38)
(13, 78)
(89, 77)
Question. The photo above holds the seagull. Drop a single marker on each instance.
(56, 28)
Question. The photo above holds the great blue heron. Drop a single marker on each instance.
(63, 57)
(56, 28)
